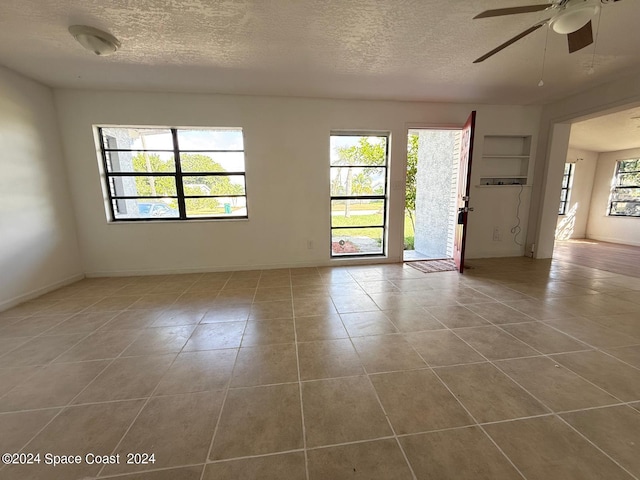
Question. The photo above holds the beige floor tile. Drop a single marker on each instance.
(456, 316)
(177, 428)
(313, 306)
(353, 302)
(617, 378)
(113, 303)
(176, 317)
(198, 372)
(413, 319)
(52, 386)
(624, 323)
(16, 429)
(132, 320)
(367, 323)
(416, 401)
(328, 359)
(545, 448)
(269, 332)
(616, 430)
(212, 336)
(544, 338)
(461, 454)
(434, 298)
(275, 282)
(342, 410)
(131, 377)
(593, 333)
(378, 286)
(288, 466)
(387, 353)
(264, 365)
(11, 343)
(160, 340)
(241, 283)
(498, 313)
(494, 343)
(81, 323)
(183, 473)
(302, 291)
(32, 326)
(488, 393)
(11, 377)
(272, 310)
(271, 294)
(155, 300)
(259, 420)
(500, 292)
(630, 355)
(227, 313)
(392, 301)
(557, 387)
(443, 348)
(87, 429)
(378, 460)
(538, 309)
(100, 345)
(320, 327)
(40, 350)
(235, 296)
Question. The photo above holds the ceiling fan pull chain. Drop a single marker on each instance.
(544, 58)
(595, 45)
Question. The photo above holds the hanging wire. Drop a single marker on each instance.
(544, 57)
(595, 45)
(517, 229)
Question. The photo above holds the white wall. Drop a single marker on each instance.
(624, 230)
(548, 169)
(287, 150)
(574, 223)
(38, 245)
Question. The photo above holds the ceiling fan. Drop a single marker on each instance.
(570, 17)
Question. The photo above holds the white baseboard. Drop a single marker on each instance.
(334, 262)
(621, 241)
(12, 302)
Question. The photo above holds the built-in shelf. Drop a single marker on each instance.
(505, 161)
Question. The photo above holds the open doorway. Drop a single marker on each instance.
(600, 192)
(430, 203)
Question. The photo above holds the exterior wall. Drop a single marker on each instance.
(437, 152)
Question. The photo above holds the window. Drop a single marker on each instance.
(358, 164)
(625, 192)
(566, 188)
(173, 173)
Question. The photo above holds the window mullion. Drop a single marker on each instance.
(178, 175)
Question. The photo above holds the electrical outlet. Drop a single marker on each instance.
(497, 234)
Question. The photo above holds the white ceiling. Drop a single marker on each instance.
(608, 133)
(381, 49)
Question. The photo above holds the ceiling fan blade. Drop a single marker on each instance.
(580, 38)
(499, 12)
(509, 42)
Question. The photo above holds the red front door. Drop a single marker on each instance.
(464, 179)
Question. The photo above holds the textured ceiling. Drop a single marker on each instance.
(608, 133)
(382, 49)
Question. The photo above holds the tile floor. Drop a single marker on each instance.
(517, 369)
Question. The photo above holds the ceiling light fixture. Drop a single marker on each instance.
(574, 18)
(95, 40)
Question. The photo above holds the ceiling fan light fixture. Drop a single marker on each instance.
(95, 40)
(573, 18)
